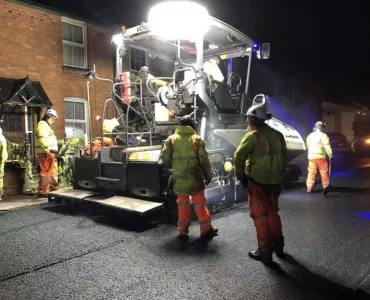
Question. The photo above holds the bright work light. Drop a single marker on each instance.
(117, 39)
(184, 20)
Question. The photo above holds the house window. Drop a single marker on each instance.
(137, 59)
(75, 111)
(74, 43)
(12, 119)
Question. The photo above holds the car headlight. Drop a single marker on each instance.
(367, 142)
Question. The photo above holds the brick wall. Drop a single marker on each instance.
(13, 182)
(31, 43)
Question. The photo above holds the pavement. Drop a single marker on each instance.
(60, 252)
(14, 202)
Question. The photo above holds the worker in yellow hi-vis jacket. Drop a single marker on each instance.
(3, 158)
(47, 150)
(319, 150)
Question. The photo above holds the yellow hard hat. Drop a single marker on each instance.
(228, 167)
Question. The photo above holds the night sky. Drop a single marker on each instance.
(321, 41)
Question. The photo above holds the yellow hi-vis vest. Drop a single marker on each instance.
(318, 146)
(45, 138)
(3, 149)
(261, 156)
(186, 153)
(109, 125)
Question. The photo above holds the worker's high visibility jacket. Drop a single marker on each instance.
(158, 82)
(186, 152)
(318, 146)
(261, 156)
(3, 149)
(109, 125)
(45, 138)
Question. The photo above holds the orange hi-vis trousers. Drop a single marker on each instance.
(48, 172)
(313, 165)
(264, 208)
(183, 205)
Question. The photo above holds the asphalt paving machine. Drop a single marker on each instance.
(130, 175)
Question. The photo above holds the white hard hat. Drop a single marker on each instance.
(144, 69)
(258, 108)
(51, 112)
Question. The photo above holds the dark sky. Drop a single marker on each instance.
(322, 40)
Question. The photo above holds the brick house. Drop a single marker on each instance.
(55, 50)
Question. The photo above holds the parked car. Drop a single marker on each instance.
(361, 145)
(337, 140)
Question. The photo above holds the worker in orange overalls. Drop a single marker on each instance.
(319, 150)
(46, 145)
(97, 144)
(186, 152)
(259, 164)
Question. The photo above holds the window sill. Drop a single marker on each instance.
(69, 69)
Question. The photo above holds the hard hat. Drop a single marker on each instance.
(144, 69)
(52, 113)
(319, 125)
(258, 108)
(187, 120)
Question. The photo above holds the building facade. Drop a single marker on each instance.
(57, 51)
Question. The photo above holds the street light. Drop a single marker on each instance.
(174, 20)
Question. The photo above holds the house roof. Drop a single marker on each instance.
(23, 92)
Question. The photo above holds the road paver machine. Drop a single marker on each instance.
(201, 83)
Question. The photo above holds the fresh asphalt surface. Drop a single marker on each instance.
(53, 252)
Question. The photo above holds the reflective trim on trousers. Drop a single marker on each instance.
(183, 203)
(260, 218)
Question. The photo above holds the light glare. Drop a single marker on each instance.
(118, 39)
(179, 20)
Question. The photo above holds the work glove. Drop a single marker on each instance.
(55, 152)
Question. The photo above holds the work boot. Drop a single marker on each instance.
(278, 247)
(210, 234)
(309, 191)
(263, 255)
(182, 242)
(326, 190)
(183, 238)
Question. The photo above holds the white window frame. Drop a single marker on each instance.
(86, 121)
(146, 57)
(84, 36)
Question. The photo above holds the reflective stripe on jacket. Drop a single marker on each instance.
(186, 152)
(261, 156)
(318, 146)
(45, 138)
(3, 149)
